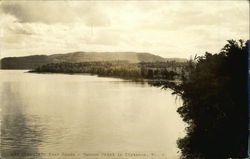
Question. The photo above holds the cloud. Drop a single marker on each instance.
(104, 37)
(166, 28)
(21, 29)
(52, 12)
(29, 12)
(195, 14)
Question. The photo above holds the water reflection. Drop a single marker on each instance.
(20, 134)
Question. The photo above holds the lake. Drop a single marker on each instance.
(73, 116)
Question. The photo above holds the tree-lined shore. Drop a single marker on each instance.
(122, 69)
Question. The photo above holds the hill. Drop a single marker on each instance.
(31, 62)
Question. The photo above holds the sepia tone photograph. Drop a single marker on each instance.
(124, 79)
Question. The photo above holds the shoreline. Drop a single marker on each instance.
(124, 78)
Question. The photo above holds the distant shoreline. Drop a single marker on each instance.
(117, 77)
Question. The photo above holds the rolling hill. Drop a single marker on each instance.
(31, 62)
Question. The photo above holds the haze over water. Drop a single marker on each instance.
(60, 113)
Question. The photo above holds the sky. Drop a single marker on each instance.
(165, 28)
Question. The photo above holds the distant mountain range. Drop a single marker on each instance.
(31, 62)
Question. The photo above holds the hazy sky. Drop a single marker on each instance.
(165, 28)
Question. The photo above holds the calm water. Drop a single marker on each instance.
(59, 113)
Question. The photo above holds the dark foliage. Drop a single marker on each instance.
(214, 93)
(122, 69)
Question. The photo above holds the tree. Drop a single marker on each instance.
(215, 105)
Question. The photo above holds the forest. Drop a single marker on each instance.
(170, 70)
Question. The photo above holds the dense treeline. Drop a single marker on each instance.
(151, 70)
(215, 104)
